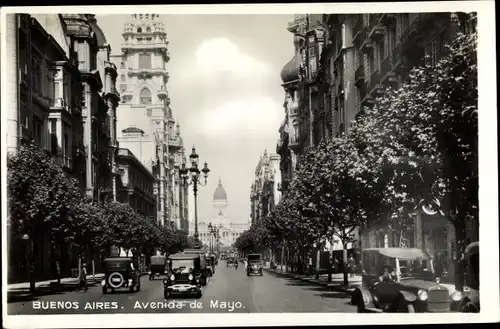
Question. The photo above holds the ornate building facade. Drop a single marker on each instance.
(264, 193)
(229, 231)
(145, 124)
(57, 88)
(135, 184)
(342, 62)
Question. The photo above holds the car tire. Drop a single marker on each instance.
(469, 308)
(104, 290)
(361, 307)
(261, 273)
(199, 294)
(166, 294)
(203, 281)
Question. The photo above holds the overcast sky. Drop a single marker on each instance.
(226, 92)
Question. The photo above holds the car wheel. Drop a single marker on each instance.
(150, 278)
(469, 308)
(261, 274)
(138, 288)
(199, 294)
(166, 294)
(361, 307)
(104, 290)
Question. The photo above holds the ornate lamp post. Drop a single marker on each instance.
(211, 232)
(192, 176)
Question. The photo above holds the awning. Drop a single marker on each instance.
(400, 253)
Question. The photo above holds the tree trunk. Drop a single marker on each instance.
(459, 253)
(330, 261)
(346, 268)
(31, 262)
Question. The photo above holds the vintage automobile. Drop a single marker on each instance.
(254, 264)
(120, 272)
(399, 280)
(205, 273)
(231, 261)
(157, 266)
(184, 275)
(468, 300)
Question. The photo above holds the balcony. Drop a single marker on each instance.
(359, 36)
(367, 101)
(377, 32)
(147, 73)
(367, 46)
(375, 81)
(160, 46)
(127, 96)
(60, 105)
(387, 19)
(359, 75)
(162, 94)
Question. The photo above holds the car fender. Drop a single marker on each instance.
(466, 300)
(408, 296)
(361, 295)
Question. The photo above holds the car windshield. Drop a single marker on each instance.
(182, 265)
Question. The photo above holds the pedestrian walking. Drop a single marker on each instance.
(83, 278)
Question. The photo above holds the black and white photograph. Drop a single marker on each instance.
(287, 164)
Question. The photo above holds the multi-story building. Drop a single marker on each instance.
(135, 184)
(264, 193)
(145, 124)
(56, 101)
(88, 41)
(350, 60)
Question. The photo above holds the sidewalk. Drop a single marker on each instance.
(66, 284)
(336, 284)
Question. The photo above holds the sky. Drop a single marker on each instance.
(225, 91)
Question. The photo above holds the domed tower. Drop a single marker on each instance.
(220, 204)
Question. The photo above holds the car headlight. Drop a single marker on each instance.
(456, 296)
(190, 277)
(422, 295)
(103, 282)
(172, 277)
(149, 272)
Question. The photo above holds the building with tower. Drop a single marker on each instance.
(145, 124)
(264, 193)
(229, 230)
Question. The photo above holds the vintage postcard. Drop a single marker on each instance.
(249, 165)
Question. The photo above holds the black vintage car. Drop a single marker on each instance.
(399, 280)
(468, 300)
(231, 261)
(184, 275)
(211, 260)
(204, 270)
(157, 266)
(254, 264)
(120, 273)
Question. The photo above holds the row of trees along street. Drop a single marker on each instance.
(415, 146)
(44, 200)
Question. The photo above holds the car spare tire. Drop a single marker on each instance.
(113, 282)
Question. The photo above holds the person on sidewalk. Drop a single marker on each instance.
(352, 266)
(83, 278)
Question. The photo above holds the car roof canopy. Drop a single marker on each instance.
(472, 248)
(400, 253)
(183, 256)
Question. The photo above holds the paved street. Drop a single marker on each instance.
(229, 290)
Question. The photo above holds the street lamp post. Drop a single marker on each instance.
(192, 176)
(210, 232)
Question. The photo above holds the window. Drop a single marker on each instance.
(123, 77)
(53, 136)
(148, 29)
(144, 61)
(312, 60)
(432, 52)
(123, 88)
(37, 130)
(145, 97)
(122, 65)
(139, 30)
(83, 103)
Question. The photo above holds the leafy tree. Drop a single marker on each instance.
(40, 195)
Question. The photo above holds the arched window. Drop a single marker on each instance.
(139, 30)
(145, 97)
(148, 29)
